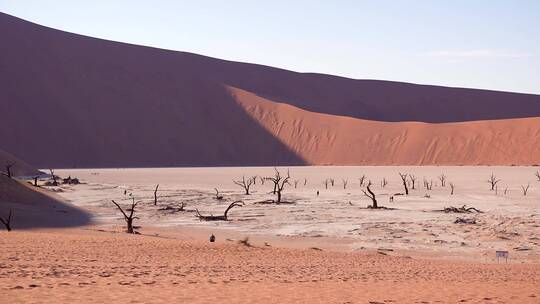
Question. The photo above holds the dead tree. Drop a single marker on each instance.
(254, 179)
(244, 183)
(155, 195)
(55, 182)
(345, 182)
(325, 183)
(305, 181)
(296, 183)
(428, 185)
(262, 179)
(537, 174)
(36, 181)
(442, 178)
(371, 195)
(279, 183)
(413, 181)
(505, 190)
(7, 221)
(218, 197)
(8, 169)
(384, 182)
(451, 188)
(493, 181)
(361, 180)
(404, 180)
(129, 218)
(332, 182)
(525, 189)
(218, 217)
(462, 209)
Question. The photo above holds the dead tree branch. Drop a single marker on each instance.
(155, 195)
(279, 183)
(371, 195)
(451, 188)
(361, 180)
(55, 182)
(244, 183)
(525, 189)
(218, 197)
(404, 180)
(345, 182)
(442, 178)
(493, 181)
(7, 221)
(219, 217)
(413, 181)
(8, 169)
(462, 209)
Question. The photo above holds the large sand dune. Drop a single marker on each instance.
(337, 140)
(75, 101)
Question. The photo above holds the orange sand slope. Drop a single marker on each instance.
(329, 139)
(35, 207)
(81, 266)
(20, 168)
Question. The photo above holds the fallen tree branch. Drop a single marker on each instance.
(218, 217)
(462, 209)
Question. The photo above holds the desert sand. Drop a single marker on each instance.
(86, 266)
(325, 248)
(99, 103)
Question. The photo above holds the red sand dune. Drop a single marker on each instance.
(337, 140)
(75, 101)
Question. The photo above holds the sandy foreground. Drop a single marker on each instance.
(92, 266)
(324, 248)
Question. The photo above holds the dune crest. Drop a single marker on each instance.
(323, 139)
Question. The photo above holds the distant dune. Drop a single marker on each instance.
(19, 168)
(76, 101)
(336, 140)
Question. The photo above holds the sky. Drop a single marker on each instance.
(488, 44)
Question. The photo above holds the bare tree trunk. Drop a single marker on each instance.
(155, 195)
(525, 189)
(404, 180)
(128, 218)
(371, 195)
(7, 221)
(246, 184)
(442, 178)
(493, 181)
(55, 182)
(413, 181)
(8, 169)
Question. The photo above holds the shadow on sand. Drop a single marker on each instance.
(37, 208)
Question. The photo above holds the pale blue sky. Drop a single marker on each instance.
(480, 44)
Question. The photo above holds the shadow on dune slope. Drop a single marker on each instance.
(36, 208)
